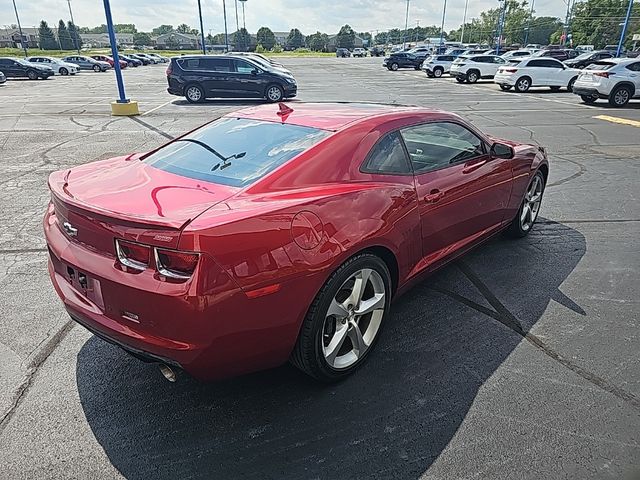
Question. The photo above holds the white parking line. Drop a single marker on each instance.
(157, 108)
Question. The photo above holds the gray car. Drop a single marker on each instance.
(437, 65)
(87, 63)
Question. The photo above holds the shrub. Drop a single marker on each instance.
(276, 49)
(260, 49)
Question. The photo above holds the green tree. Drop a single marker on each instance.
(183, 28)
(162, 29)
(295, 39)
(242, 40)
(99, 29)
(597, 22)
(142, 38)
(74, 34)
(346, 37)
(47, 38)
(542, 28)
(64, 39)
(318, 42)
(266, 38)
(125, 28)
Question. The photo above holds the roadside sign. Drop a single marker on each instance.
(636, 37)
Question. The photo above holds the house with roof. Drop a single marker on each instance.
(10, 37)
(101, 40)
(178, 41)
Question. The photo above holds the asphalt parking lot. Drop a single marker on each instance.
(518, 361)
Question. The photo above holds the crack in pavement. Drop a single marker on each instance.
(581, 172)
(504, 316)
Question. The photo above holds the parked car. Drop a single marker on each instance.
(456, 52)
(3, 78)
(137, 56)
(359, 52)
(437, 65)
(157, 58)
(616, 79)
(262, 59)
(533, 46)
(561, 54)
(536, 72)
(471, 69)
(585, 48)
(343, 52)
(87, 63)
(512, 54)
(614, 48)
(472, 51)
(587, 58)
(198, 77)
(110, 61)
(402, 60)
(634, 54)
(13, 67)
(131, 62)
(57, 65)
(377, 52)
(151, 59)
(270, 234)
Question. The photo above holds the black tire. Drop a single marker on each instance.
(515, 229)
(460, 79)
(417, 67)
(437, 72)
(555, 89)
(620, 96)
(505, 88)
(32, 75)
(523, 84)
(473, 76)
(588, 99)
(130, 64)
(394, 66)
(308, 354)
(64, 71)
(194, 93)
(274, 93)
(430, 75)
(571, 82)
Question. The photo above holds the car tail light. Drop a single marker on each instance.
(510, 70)
(133, 255)
(174, 264)
(603, 74)
(169, 71)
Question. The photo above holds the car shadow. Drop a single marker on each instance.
(390, 420)
(227, 102)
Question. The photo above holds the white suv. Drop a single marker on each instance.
(437, 65)
(475, 67)
(536, 72)
(617, 79)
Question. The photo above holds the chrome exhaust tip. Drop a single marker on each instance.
(168, 372)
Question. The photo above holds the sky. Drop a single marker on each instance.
(280, 15)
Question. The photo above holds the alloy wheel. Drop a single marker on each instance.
(353, 318)
(274, 94)
(194, 93)
(437, 72)
(394, 66)
(472, 77)
(531, 205)
(621, 97)
(523, 85)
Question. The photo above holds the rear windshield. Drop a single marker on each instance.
(234, 151)
(600, 66)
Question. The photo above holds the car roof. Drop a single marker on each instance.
(328, 116)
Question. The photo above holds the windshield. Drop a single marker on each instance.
(235, 151)
(584, 56)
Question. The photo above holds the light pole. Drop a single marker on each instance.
(226, 32)
(526, 35)
(244, 20)
(20, 29)
(75, 29)
(444, 13)
(464, 20)
(406, 24)
(237, 22)
(501, 19)
(624, 28)
(204, 48)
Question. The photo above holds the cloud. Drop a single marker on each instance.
(280, 15)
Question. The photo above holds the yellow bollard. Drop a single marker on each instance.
(125, 109)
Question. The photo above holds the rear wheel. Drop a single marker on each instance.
(194, 94)
(620, 96)
(345, 319)
(589, 99)
(505, 87)
(523, 84)
(274, 93)
(571, 82)
(473, 76)
(64, 71)
(32, 75)
(528, 213)
(437, 72)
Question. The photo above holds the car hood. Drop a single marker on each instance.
(127, 189)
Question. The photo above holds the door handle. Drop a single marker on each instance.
(434, 196)
(468, 168)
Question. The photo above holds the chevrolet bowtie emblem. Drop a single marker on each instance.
(70, 229)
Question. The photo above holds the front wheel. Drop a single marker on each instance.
(32, 75)
(394, 67)
(64, 71)
(130, 64)
(194, 94)
(96, 68)
(344, 320)
(274, 93)
(528, 213)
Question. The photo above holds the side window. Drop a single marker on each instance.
(216, 64)
(191, 64)
(433, 146)
(244, 67)
(536, 63)
(634, 67)
(553, 64)
(387, 156)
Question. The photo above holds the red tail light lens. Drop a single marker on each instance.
(510, 70)
(168, 71)
(133, 255)
(603, 74)
(173, 264)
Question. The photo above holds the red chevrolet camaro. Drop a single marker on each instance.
(274, 234)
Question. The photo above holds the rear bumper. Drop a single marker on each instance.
(587, 91)
(504, 80)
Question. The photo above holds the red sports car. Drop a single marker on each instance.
(275, 234)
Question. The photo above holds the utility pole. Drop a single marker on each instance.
(526, 34)
(417, 27)
(75, 29)
(624, 28)
(244, 20)
(501, 20)
(204, 48)
(237, 21)
(24, 48)
(464, 20)
(566, 24)
(444, 13)
(406, 25)
(226, 32)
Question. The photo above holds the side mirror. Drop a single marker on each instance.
(500, 150)
(255, 71)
